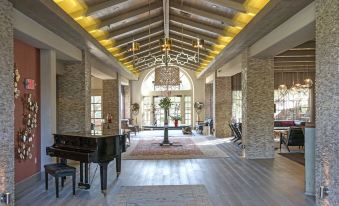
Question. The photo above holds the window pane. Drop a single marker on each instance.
(97, 114)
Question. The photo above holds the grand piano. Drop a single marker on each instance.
(88, 148)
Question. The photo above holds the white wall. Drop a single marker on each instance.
(198, 92)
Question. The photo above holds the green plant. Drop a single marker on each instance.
(165, 103)
(177, 117)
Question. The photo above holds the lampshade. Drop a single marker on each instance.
(135, 46)
(199, 43)
(308, 83)
(166, 44)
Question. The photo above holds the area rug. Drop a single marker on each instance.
(296, 157)
(185, 147)
(163, 195)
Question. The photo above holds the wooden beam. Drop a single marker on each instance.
(143, 44)
(291, 64)
(189, 48)
(141, 53)
(229, 4)
(294, 59)
(202, 13)
(139, 37)
(187, 42)
(192, 34)
(191, 23)
(129, 14)
(136, 28)
(93, 10)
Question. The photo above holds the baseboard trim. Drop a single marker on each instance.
(22, 187)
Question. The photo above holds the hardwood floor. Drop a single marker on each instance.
(229, 181)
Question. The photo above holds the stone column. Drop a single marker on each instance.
(327, 100)
(258, 107)
(7, 100)
(208, 100)
(127, 90)
(223, 106)
(48, 101)
(74, 97)
(110, 105)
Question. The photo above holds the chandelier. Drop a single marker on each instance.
(167, 78)
(180, 58)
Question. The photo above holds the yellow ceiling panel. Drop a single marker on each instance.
(77, 10)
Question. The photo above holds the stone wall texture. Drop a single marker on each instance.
(209, 101)
(74, 97)
(110, 104)
(327, 100)
(127, 90)
(258, 107)
(7, 99)
(223, 106)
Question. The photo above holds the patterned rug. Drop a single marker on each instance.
(164, 195)
(185, 147)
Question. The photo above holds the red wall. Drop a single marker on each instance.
(27, 59)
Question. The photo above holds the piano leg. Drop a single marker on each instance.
(118, 165)
(86, 173)
(81, 172)
(84, 185)
(103, 175)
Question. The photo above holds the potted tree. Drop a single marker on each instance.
(165, 103)
(176, 119)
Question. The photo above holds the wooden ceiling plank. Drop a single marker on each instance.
(189, 43)
(229, 4)
(189, 48)
(291, 64)
(193, 35)
(93, 10)
(191, 23)
(141, 53)
(294, 59)
(129, 14)
(144, 25)
(139, 37)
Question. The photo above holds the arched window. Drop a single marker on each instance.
(148, 86)
(153, 115)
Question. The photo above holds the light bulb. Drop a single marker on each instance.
(308, 82)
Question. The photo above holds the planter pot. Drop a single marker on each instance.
(176, 123)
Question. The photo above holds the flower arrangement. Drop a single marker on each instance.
(165, 103)
(177, 117)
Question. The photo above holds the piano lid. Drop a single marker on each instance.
(86, 135)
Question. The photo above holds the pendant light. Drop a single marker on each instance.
(308, 81)
(282, 88)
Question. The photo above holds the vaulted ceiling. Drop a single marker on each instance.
(117, 23)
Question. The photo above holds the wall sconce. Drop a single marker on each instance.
(5, 198)
(323, 191)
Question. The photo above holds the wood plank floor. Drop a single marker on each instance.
(229, 181)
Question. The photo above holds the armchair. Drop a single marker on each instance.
(295, 137)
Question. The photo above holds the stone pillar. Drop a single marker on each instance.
(223, 106)
(327, 100)
(111, 105)
(208, 100)
(48, 101)
(258, 107)
(7, 100)
(127, 90)
(74, 97)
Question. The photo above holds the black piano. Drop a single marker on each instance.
(88, 148)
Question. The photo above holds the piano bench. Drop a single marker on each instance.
(59, 170)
